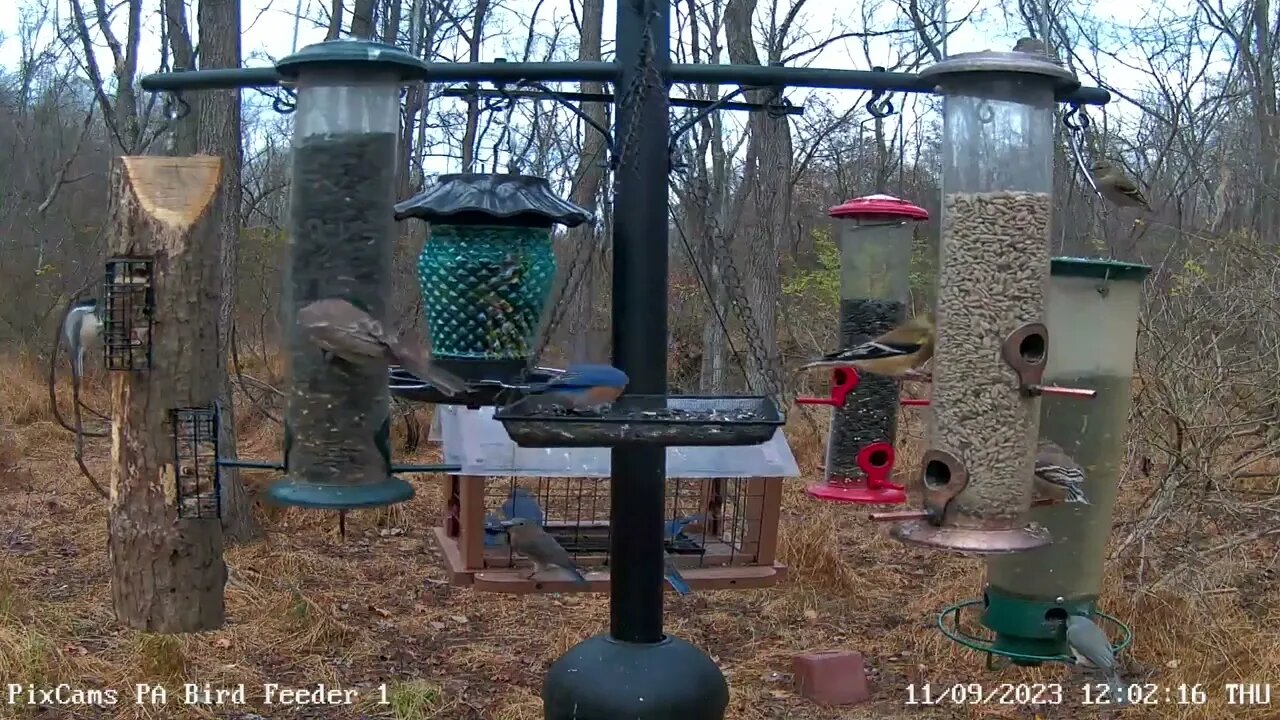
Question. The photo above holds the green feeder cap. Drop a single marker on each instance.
(1100, 268)
(353, 54)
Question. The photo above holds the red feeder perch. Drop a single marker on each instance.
(844, 380)
(873, 488)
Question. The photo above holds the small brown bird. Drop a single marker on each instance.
(1057, 475)
(530, 540)
(1116, 186)
(1030, 45)
(898, 353)
(339, 328)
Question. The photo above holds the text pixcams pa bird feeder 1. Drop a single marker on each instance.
(997, 183)
(1092, 312)
(341, 233)
(876, 232)
(487, 269)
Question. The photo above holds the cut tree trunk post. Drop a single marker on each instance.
(167, 574)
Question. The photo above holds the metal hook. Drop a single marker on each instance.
(880, 106)
(503, 103)
(1075, 119)
(286, 102)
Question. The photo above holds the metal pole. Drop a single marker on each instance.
(641, 132)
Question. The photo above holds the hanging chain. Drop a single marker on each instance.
(770, 365)
(585, 253)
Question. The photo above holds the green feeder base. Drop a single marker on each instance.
(299, 493)
(1027, 632)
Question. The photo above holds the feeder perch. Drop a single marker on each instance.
(874, 238)
(722, 507)
(944, 477)
(843, 381)
(1095, 342)
(486, 270)
(341, 243)
(536, 421)
(1048, 620)
(128, 313)
(873, 487)
(196, 477)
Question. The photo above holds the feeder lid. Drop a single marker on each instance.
(879, 206)
(471, 198)
(353, 54)
(1100, 268)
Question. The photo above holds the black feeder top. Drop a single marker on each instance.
(485, 199)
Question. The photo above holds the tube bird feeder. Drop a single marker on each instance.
(341, 236)
(998, 127)
(487, 269)
(1092, 311)
(875, 279)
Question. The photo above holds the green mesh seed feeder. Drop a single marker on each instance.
(1091, 311)
(487, 268)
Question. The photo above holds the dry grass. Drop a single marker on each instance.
(305, 608)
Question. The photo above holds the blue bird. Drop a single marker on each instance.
(673, 576)
(520, 503)
(679, 526)
(585, 386)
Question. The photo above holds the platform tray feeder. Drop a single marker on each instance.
(538, 421)
(486, 272)
(737, 491)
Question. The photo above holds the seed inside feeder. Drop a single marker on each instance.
(340, 247)
(994, 269)
(870, 412)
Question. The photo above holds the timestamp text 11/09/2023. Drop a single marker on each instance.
(1243, 693)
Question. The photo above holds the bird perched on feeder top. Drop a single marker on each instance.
(543, 551)
(1030, 45)
(1092, 649)
(81, 329)
(1057, 475)
(339, 328)
(897, 353)
(585, 387)
(1116, 186)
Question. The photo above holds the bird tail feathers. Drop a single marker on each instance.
(677, 581)
(422, 368)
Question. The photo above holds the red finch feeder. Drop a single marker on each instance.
(871, 487)
(875, 237)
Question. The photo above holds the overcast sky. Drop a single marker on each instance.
(269, 31)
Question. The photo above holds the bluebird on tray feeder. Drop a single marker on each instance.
(876, 235)
(486, 273)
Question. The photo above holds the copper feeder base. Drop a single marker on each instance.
(973, 541)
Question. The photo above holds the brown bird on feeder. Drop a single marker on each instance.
(339, 328)
(1057, 475)
(898, 353)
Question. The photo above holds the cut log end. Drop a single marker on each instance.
(174, 190)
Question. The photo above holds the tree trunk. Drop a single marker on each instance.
(167, 573)
(587, 339)
(474, 41)
(362, 19)
(763, 201)
(220, 136)
(335, 21)
(179, 32)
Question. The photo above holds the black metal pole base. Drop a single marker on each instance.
(607, 679)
